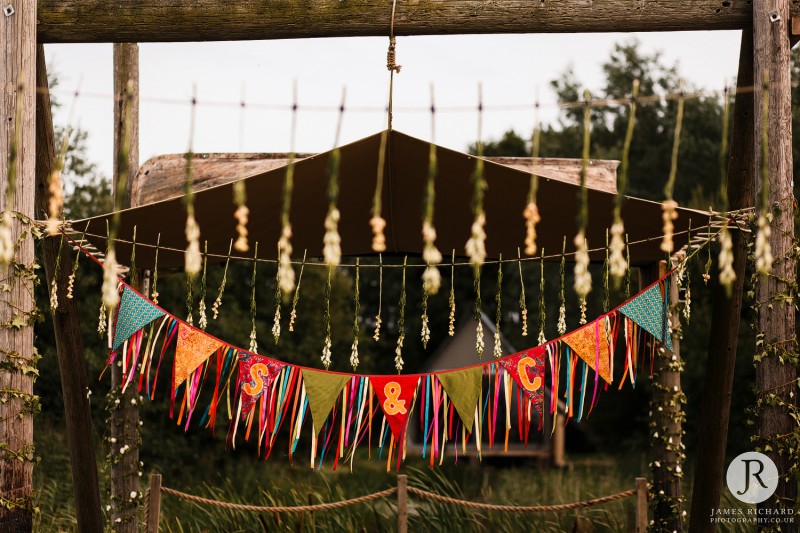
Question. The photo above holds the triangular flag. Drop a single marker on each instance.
(322, 389)
(464, 389)
(395, 394)
(591, 344)
(648, 310)
(192, 349)
(527, 369)
(135, 312)
(256, 374)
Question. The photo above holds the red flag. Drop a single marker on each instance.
(256, 374)
(527, 369)
(395, 394)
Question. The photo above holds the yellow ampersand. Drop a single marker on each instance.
(393, 405)
(257, 373)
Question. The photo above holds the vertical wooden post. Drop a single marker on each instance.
(726, 313)
(558, 440)
(641, 505)
(17, 121)
(66, 325)
(153, 503)
(666, 422)
(125, 418)
(402, 503)
(775, 374)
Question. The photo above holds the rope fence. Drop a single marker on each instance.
(402, 490)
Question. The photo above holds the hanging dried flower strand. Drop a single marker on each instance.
(401, 323)
(451, 328)
(670, 207)
(326, 317)
(431, 277)
(285, 271)
(242, 213)
(583, 278)
(377, 222)
(192, 260)
(542, 310)
(332, 241)
(531, 212)
(561, 327)
(523, 304)
(618, 264)
(253, 341)
(54, 284)
(497, 351)
(201, 309)
(727, 275)
(479, 342)
(296, 298)
(763, 249)
(377, 335)
(356, 312)
(425, 332)
(55, 207)
(218, 300)
(476, 245)
(276, 320)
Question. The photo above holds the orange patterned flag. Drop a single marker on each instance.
(591, 344)
(395, 395)
(192, 349)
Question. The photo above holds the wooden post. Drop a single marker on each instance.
(666, 422)
(153, 503)
(557, 442)
(402, 503)
(66, 325)
(709, 469)
(17, 355)
(775, 374)
(641, 505)
(125, 418)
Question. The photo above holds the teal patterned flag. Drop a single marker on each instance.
(135, 312)
(648, 310)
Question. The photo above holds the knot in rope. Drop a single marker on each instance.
(391, 56)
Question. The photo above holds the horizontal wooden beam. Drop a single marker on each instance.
(70, 21)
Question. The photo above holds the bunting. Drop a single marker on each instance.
(256, 374)
(135, 312)
(590, 343)
(527, 369)
(464, 389)
(395, 395)
(649, 311)
(322, 389)
(191, 351)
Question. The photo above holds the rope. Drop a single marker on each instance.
(388, 492)
(279, 508)
(521, 509)
(392, 66)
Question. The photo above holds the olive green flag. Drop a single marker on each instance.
(322, 389)
(464, 389)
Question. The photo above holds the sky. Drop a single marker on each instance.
(512, 70)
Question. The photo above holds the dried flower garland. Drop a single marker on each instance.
(497, 351)
(401, 323)
(73, 273)
(727, 274)
(479, 343)
(242, 215)
(618, 262)
(670, 207)
(189, 299)
(476, 245)
(276, 321)
(431, 277)
(377, 335)
(561, 327)
(606, 267)
(377, 222)
(54, 284)
(583, 278)
(451, 327)
(326, 317)
(531, 212)
(218, 301)
(285, 271)
(763, 248)
(425, 332)
(332, 241)
(523, 305)
(542, 309)
(201, 308)
(6, 240)
(296, 298)
(253, 341)
(356, 311)
(192, 258)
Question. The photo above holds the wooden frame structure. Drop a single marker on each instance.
(24, 22)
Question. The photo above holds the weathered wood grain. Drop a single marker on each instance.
(211, 20)
(162, 177)
(776, 320)
(67, 327)
(18, 86)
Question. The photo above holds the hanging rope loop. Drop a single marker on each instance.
(391, 56)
